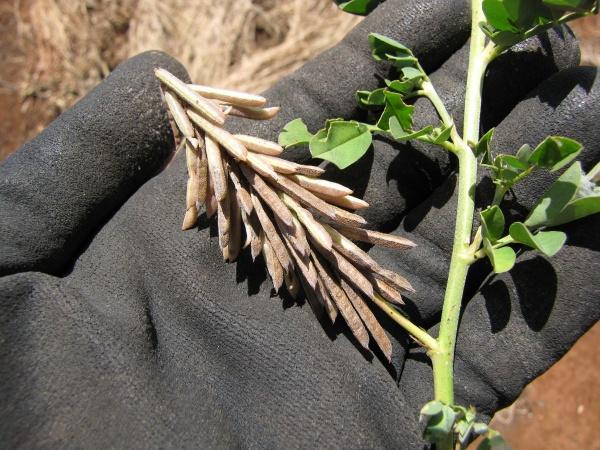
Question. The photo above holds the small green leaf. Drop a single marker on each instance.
(483, 147)
(341, 142)
(440, 425)
(492, 223)
(404, 87)
(498, 16)
(556, 198)
(513, 162)
(524, 153)
(360, 7)
(399, 134)
(441, 135)
(547, 242)
(395, 107)
(371, 98)
(555, 152)
(383, 47)
(294, 133)
(578, 209)
(431, 408)
(502, 259)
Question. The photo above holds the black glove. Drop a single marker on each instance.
(120, 330)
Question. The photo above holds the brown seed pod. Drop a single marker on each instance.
(344, 306)
(376, 238)
(229, 95)
(273, 265)
(223, 137)
(369, 319)
(271, 234)
(269, 196)
(259, 145)
(199, 103)
(318, 186)
(253, 113)
(216, 169)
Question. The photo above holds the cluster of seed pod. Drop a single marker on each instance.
(294, 218)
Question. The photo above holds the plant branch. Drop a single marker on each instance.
(419, 334)
(443, 359)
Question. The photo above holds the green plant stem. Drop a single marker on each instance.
(462, 254)
(418, 333)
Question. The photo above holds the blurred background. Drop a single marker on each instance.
(54, 51)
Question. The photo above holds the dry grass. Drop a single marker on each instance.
(248, 44)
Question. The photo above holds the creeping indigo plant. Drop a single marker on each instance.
(496, 26)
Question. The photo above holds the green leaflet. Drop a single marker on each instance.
(547, 242)
(341, 142)
(360, 7)
(492, 223)
(555, 152)
(294, 133)
(395, 107)
(502, 259)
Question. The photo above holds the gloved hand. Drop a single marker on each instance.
(120, 330)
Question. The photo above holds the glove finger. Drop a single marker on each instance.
(565, 104)
(395, 178)
(62, 185)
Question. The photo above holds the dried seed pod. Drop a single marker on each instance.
(223, 137)
(347, 201)
(247, 228)
(347, 218)
(387, 291)
(344, 306)
(199, 103)
(349, 272)
(256, 241)
(223, 223)
(279, 165)
(259, 145)
(235, 228)
(324, 297)
(216, 169)
(392, 278)
(202, 176)
(314, 228)
(271, 234)
(228, 95)
(292, 283)
(211, 201)
(305, 268)
(305, 197)
(253, 113)
(309, 171)
(190, 218)
(298, 238)
(268, 195)
(240, 190)
(181, 119)
(273, 265)
(376, 238)
(261, 167)
(369, 320)
(316, 185)
(350, 250)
